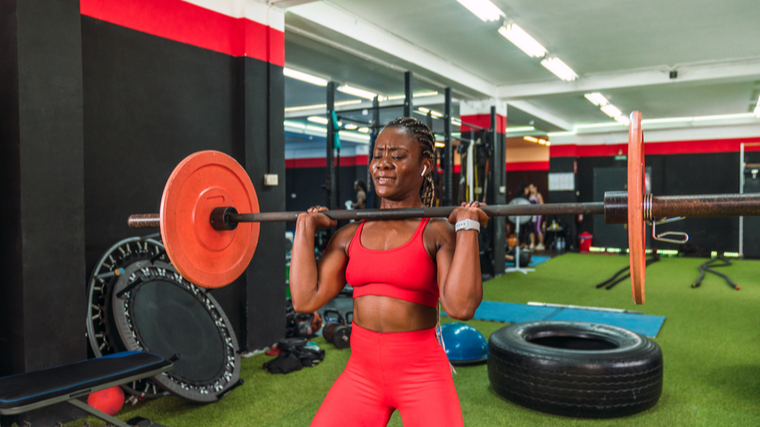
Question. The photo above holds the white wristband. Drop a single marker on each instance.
(467, 224)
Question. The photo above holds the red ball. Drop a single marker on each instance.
(109, 400)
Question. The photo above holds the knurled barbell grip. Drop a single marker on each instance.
(144, 221)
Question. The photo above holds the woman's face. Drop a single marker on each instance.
(532, 189)
(397, 164)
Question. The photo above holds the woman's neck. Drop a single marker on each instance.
(407, 202)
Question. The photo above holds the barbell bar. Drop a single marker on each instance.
(211, 243)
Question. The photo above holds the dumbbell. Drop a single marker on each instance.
(342, 334)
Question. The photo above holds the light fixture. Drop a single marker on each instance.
(521, 129)
(440, 145)
(353, 137)
(349, 102)
(305, 107)
(317, 119)
(542, 141)
(611, 111)
(295, 125)
(530, 138)
(361, 93)
(316, 129)
(416, 95)
(623, 120)
(436, 114)
(483, 9)
(456, 122)
(420, 112)
(364, 130)
(351, 126)
(308, 78)
(559, 69)
(523, 40)
(424, 110)
(548, 144)
(597, 99)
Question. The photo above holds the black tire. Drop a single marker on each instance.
(575, 369)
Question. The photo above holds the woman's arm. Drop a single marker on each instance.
(312, 285)
(460, 284)
(540, 199)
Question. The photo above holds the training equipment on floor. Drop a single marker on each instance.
(464, 344)
(25, 392)
(708, 266)
(644, 324)
(211, 244)
(575, 369)
(620, 276)
(295, 354)
(109, 400)
(138, 301)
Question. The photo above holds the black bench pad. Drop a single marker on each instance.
(25, 389)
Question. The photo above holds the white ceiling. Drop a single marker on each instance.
(605, 42)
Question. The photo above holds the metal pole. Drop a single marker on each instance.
(742, 165)
(448, 153)
(372, 139)
(330, 182)
(408, 95)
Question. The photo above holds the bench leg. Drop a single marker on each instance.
(100, 414)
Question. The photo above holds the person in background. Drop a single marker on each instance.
(526, 230)
(534, 197)
(361, 194)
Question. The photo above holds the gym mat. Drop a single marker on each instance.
(644, 324)
(534, 260)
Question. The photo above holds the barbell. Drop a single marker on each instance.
(210, 242)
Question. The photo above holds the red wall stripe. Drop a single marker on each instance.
(672, 147)
(187, 23)
(527, 166)
(321, 162)
(483, 120)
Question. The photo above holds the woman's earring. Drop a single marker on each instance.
(423, 170)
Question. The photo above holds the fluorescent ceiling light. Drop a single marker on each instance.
(523, 40)
(364, 130)
(354, 137)
(351, 126)
(316, 129)
(295, 125)
(416, 95)
(559, 69)
(521, 129)
(597, 99)
(623, 120)
(361, 93)
(317, 119)
(308, 78)
(424, 110)
(420, 112)
(349, 102)
(611, 111)
(305, 107)
(440, 145)
(483, 9)
(456, 122)
(436, 114)
(530, 138)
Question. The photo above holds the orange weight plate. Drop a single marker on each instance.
(204, 256)
(636, 191)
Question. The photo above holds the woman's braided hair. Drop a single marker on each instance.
(425, 137)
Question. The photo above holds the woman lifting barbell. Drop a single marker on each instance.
(399, 270)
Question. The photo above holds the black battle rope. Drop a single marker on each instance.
(707, 268)
(614, 280)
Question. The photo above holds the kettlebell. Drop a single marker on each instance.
(332, 320)
(342, 334)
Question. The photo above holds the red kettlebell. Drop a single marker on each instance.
(109, 400)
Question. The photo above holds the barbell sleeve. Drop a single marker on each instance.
(152, 220)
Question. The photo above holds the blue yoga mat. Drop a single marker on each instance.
(534, 260)
(644, 324)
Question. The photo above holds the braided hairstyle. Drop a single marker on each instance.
(425, 137)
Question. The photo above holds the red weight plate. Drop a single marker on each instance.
(636, 191)
(204, 256)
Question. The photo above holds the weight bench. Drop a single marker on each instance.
(24, 392)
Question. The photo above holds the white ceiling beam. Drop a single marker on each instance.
(655, 76)
(284, 4)
(540, 114)
(349, 25)
(422, 101)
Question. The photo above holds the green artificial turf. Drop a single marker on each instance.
(710, 342)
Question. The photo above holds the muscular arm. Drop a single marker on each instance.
(458, 259)
(312, 285)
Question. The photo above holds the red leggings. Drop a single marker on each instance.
(407, 371)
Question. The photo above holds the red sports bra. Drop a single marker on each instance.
(406, 272)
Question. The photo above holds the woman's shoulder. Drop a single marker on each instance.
(440, 227)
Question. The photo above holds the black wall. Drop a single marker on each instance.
(150, 102)
(676, 174)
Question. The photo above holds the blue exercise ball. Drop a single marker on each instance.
(464, 344)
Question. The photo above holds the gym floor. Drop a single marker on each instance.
(709, 342)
